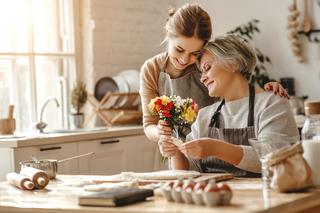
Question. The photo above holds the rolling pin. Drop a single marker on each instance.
(39, 178)
(19, 181)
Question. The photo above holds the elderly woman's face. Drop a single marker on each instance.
(214, 76)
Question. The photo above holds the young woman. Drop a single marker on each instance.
(219, 138)
(174, 72)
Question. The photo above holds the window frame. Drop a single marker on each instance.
(31, 56)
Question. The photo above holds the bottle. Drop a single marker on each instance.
(311, 138)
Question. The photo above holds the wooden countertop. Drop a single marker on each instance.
(61, 196)
(46, 139)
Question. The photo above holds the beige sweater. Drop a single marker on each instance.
(272, 117)
(149, 77)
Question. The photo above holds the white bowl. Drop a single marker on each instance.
(132, 77)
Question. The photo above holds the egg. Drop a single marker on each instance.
(225, 194)
(189, 185)
(211, 187)
(199, 187)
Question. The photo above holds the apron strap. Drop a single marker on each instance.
(214, 122)
(163, 67)
(251, 105)
(215, 117)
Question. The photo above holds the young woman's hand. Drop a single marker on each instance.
(196, 149)
(163, 128)
(276, 88)
(166, 146)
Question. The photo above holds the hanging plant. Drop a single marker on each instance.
(247, 32)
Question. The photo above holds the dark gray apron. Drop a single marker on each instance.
(238, 136)
(188, 85)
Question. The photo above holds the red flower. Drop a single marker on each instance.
(166, 114)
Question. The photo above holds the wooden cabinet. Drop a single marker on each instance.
(109, 158)
(112, 156)
(53, 151)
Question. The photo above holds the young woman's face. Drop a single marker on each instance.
(214, 76)
(183, 51)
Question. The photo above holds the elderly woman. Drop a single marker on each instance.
(219, 138)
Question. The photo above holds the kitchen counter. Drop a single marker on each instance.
(61, 196)
(52, 138)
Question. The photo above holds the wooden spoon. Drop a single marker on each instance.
(10, 111)
(306, 21)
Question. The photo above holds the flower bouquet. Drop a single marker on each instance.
(176, 111)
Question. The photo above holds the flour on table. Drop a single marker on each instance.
(110, 186)
(160, 175)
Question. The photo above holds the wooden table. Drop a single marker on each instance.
(61, 196)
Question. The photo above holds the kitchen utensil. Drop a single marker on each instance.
(39, 177)
(8, 125)
(104, 85)
(306, 20)
(50, 166)
(75, 157)
(20, 181)
(132, 77)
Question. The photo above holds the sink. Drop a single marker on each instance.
(11, 136)
(82, 130)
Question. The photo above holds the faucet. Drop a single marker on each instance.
(41, 125)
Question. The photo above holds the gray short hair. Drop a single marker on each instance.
(231, 50)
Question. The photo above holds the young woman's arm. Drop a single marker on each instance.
(149, 89)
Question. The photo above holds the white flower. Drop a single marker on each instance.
(179, 101)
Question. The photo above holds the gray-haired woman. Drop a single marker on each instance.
(174, 72)
(219, 138)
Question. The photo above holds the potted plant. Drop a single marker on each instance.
(78, 99)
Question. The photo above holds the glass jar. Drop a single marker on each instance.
(311, 139)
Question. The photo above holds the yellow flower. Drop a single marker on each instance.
(151, 105)
(165, 100)
(189, 114)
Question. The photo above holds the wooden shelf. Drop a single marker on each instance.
(116, 108)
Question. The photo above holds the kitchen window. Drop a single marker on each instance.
(37, 59)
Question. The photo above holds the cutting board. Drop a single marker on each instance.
(215, 176)
(203, 177)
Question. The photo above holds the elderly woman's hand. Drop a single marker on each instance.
(166, 146)
(276, 88)
(197, 149)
